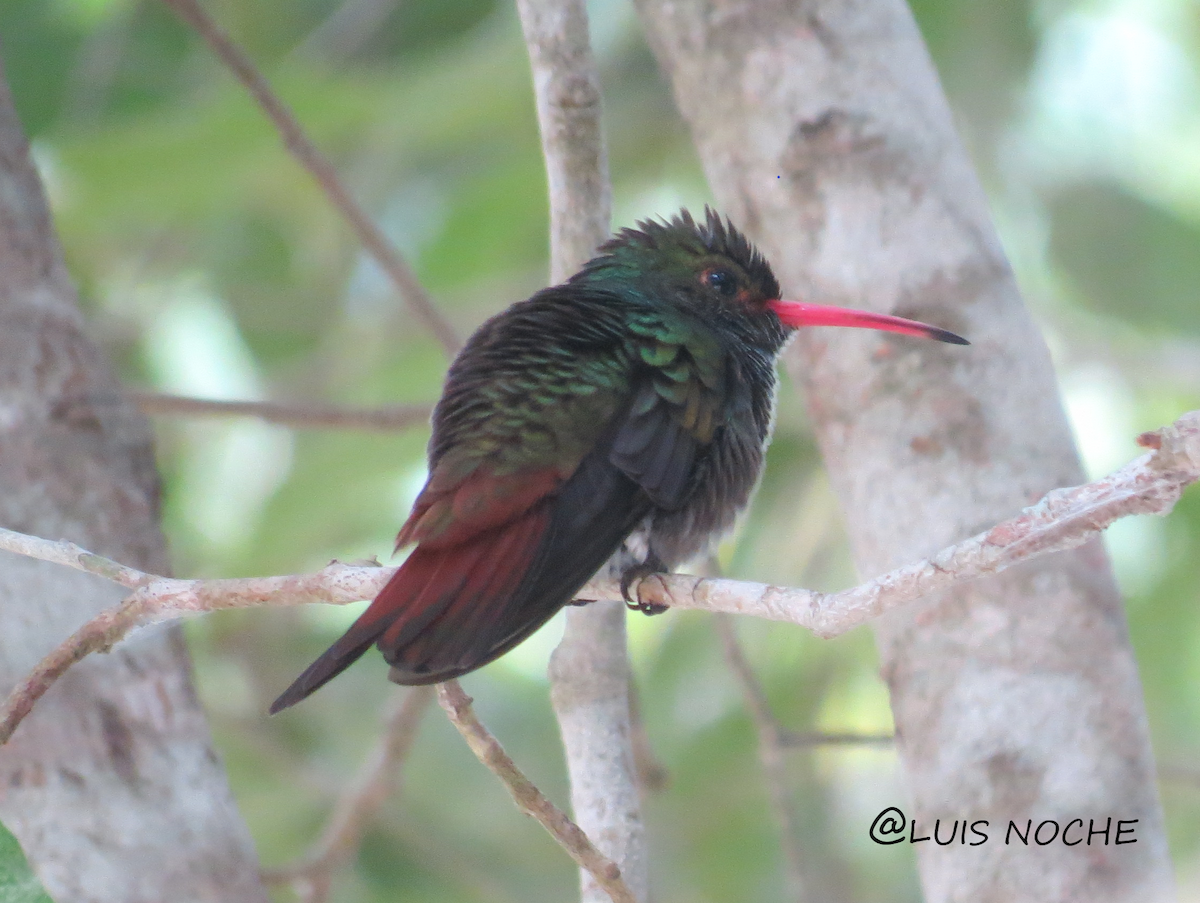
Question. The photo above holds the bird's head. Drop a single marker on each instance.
(712, 270)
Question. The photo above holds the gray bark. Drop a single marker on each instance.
(111, 785)
(589, 671)
(824, 132)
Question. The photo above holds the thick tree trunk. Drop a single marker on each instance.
(824, 131)
(111, 785)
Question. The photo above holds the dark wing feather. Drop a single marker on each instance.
(655, 450)
(593, 513)
(535, 482)
(647, 462)
(473, 608)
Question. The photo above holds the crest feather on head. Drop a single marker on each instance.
(716, 235)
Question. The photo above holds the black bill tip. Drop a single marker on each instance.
(945, 335)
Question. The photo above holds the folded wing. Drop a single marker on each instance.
(501, 543)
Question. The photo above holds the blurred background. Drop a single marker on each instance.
(210, 265)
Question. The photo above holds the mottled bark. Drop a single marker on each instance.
(824, 132)
(112, 786)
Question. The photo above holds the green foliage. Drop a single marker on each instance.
(18, 883)
(210, 264)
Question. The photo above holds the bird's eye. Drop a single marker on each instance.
(722, 280)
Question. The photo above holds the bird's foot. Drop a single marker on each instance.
(638, 573)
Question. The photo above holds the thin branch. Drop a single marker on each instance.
(346, 29)
(809, 739)
(1063, 519)
(528, 798)
(312, 874)
(295, 415)
(306, 153)
(1179, 772)
(589, 671)
(72, 556)
(652, 774)
(771, 755)
(157, 598)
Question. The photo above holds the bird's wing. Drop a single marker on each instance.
(675, 411)
(546, 454)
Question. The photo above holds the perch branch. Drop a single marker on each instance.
(307, 155)
(1063, 519)
(157, 598)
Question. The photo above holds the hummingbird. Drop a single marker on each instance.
(618, 421)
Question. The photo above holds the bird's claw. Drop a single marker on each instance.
(647, 608)
(638, 573)
(581, 602)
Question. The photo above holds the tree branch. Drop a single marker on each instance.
(530, 800)
(159, 598)
(298, 415)
(589, 672)
(312, 874)
(567, 89)
(307, 155)
(809, 739)
(771, 755)
(652, 774)
(1179, 772)
(1063, 519)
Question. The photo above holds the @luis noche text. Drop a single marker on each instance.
(892, 826)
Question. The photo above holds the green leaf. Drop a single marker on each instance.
(18, 883)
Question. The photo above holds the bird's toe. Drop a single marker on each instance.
(636, 574)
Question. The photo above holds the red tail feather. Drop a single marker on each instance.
(472, 595)
(445, 612)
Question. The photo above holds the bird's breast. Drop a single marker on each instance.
(725, 476)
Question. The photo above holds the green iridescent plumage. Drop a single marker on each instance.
(620, 417)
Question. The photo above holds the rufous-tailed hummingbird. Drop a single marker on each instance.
(620, 417)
